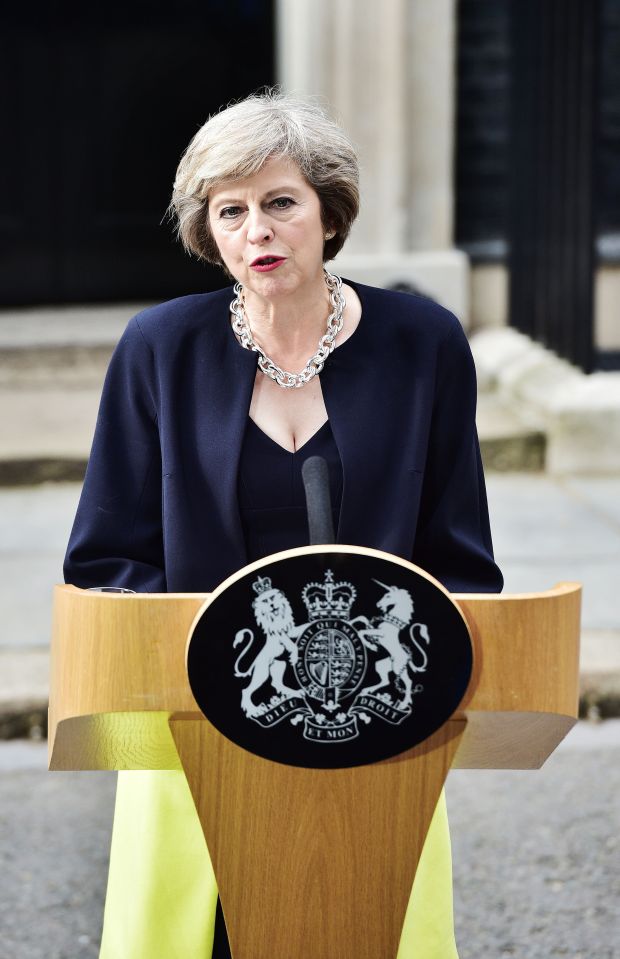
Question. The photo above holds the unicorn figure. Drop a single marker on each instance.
(396, 607)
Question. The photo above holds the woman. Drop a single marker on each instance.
(195, 467)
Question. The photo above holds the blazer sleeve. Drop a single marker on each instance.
(117, 537)
(453, 537)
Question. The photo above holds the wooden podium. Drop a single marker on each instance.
(310, 863)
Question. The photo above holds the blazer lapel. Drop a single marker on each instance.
(353, 401)
(370, 420)
(229, 374)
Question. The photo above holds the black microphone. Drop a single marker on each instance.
(318, 501)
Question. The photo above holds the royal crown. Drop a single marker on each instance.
(329, 598)
(261, 585)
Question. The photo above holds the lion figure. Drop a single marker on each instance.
(274, 615)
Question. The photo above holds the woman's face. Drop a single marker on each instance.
(269, 231)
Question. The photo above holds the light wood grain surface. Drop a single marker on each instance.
(118, 675)
(313, 863)
(310, 863)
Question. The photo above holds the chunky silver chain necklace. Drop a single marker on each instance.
(327, 342)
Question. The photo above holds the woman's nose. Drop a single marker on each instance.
(259, 227)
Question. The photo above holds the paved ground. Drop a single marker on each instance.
(535, 855)
(54, 843)
(547, 529)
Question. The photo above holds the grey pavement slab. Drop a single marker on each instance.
(39, 518)
(540, 517)
(26, 583)
(22, 755)
(24, 679)
(602, 493)
(547, 530)
(35, 523)
(600, 651)
(600, 586)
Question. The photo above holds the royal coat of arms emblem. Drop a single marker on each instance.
(329, 657)
(319, 674)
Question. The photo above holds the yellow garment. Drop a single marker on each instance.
(161, 887)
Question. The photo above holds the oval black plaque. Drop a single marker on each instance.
(329, 657)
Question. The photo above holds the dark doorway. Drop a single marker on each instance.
(99, 101)
(537, 159)
(554, 101)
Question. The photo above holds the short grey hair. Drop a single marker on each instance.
(240, 139)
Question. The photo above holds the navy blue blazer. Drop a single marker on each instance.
(159, 507)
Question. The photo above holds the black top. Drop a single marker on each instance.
(272, 501)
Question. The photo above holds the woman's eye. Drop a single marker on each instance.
(282, 202)
(229, 212)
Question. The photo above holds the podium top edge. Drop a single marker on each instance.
(560, 589)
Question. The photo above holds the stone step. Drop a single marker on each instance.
(508, 443)
(46, 432)
(49, 394)
(535, 411)
(52, 365)
(579, 412)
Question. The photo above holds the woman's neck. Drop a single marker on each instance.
(288, 328)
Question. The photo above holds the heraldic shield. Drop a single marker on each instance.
(329, 656)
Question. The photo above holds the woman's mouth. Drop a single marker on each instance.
(262, 264)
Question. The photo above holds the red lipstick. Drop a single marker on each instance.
(263, 264)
